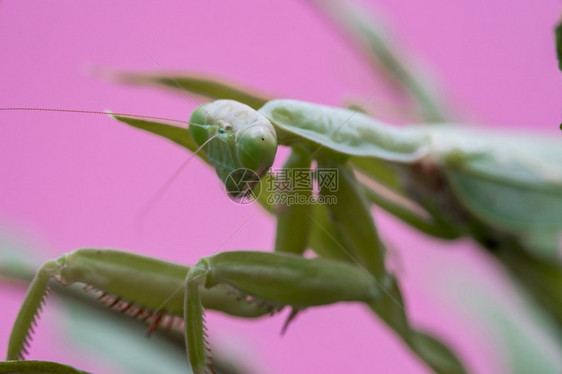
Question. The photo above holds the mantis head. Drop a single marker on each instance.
(240, 142)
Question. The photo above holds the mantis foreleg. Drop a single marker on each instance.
(145, 288)
(276, 279)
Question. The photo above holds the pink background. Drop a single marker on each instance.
(70, 181)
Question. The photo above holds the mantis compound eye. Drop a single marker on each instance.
(198, 126)
(256, 147)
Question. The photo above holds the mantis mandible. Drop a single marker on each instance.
(350, 266)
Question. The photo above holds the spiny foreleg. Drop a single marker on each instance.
(276, 279)
(142, 287)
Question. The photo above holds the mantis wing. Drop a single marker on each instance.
(511, 183)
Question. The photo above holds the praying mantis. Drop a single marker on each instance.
(349, 265)
(456, 184)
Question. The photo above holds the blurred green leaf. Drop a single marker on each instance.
(90, 331)
(367, 32)
(189, 84)
(542, 277)
(37, 367)
(558, 39)
(524, 337)
(437, 353)
(132, 351)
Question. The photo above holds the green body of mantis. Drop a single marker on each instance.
(463, 188)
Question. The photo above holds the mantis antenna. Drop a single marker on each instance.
(146, 208)
(154, 199)
(22, 109)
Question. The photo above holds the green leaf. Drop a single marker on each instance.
(190, 84)
(368, 34)
(37, 367)
(436, 353)
(176, 134)
(129, 350)
(542, 277)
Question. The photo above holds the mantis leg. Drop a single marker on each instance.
(304, 225)
(383, 186)
(362, 243)
(361, 239)
(293, 223)
(142, 287)
(434, 226)
(276, 279)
